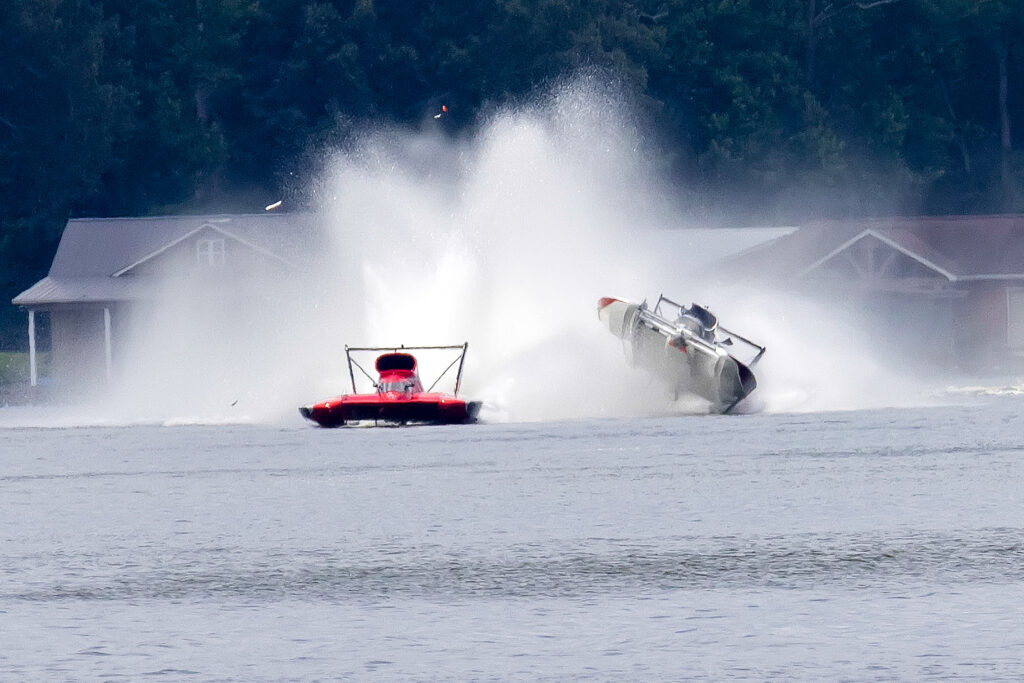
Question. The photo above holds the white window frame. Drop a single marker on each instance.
(210, 252)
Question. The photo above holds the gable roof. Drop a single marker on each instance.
(105, 246)
(192, 233)
(958, 248)
(895, 240)
(93, 252)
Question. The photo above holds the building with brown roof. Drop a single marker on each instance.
(950, 287)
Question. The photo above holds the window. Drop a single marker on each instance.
(402, 386)
(210, 252)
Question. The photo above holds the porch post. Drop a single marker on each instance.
(33, 377)
(106, 338)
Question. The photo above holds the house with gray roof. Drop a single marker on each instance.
(949, 287)
(108, 270)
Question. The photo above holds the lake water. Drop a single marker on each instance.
(861, 545)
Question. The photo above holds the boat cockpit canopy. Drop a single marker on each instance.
(401, 386)
(700, 320)
(705, 317)
(396, 361)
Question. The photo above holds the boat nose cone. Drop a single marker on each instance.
(615, 313)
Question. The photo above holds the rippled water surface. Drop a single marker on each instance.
(862, 545)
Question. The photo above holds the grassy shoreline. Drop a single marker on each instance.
(14, 366)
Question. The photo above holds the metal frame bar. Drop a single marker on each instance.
(760, 349)
(656, 311)
(661, 298)
(461, 359)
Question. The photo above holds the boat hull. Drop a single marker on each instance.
(421, 409)
(684, 361)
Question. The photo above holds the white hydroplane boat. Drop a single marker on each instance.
(685, 347)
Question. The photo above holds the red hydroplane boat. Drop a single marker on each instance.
(399, 397)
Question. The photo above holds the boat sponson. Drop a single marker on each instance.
(430, 412)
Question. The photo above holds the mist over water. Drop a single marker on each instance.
(825, 356)
(507, 239)
(504, 238)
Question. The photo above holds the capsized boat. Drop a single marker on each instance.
(685, 347)
(398, 396)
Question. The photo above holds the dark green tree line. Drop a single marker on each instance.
(768, 112)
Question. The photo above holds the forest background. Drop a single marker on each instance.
(764, 112)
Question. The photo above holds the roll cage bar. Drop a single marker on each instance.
(460, 359)
(729, 334)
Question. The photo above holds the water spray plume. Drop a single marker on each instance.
(505, 239)
(527, 225)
